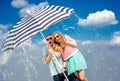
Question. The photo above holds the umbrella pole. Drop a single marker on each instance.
(60, 67)
(42, 34)
(56, 59)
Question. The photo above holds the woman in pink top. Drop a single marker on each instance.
(67, 47)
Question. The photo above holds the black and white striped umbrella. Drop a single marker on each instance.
(32, 24)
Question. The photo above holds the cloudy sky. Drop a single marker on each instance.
(94, 24)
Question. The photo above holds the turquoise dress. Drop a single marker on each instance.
(76, 63)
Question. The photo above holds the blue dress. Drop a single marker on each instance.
(76, 63)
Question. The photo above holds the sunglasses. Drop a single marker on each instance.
(56, 37)
(50, 38)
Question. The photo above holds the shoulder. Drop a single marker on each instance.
(67, 36)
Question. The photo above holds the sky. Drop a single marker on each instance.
(95, 25)
(99, 17)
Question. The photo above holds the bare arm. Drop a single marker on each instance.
(70, 41)
(64, 63)
(64, 66)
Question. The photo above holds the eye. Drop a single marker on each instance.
(50, 38)
(56, 37)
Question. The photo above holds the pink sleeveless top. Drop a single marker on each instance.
(70, 49)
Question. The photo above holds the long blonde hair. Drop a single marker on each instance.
(59, 46)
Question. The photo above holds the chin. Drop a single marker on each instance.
(58, 41)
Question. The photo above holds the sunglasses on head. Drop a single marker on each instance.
(50, 38)
(56, 37)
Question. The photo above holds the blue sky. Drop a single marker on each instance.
(95, 24)
(102, 26)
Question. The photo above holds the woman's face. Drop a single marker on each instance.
(57, 37)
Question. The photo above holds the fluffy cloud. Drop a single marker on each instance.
(27, 10)
(2, 35)
(100, 18)
(42, 42)
(4, 31)
(88, 42)
(5, 27)
(30, 8)
(19, 3)
(26, 45)
(116, 39)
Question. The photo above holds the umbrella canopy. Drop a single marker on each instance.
(42, 18)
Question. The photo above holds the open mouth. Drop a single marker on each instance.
(49, 42)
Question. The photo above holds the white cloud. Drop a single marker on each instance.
(28, 42)
(5, 27)
(27, 10)
(4, 31)
(116, 39)
(117, 33)
(42, 42)
(2, 35)
(99, 19)
(30, 8)
(19, 3)
(87, 42)
(5, 57)
(42, 4)
(26, 45)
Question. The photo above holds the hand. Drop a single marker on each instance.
(51, 50)
(62, 69)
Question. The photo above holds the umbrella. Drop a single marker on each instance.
(42, 18)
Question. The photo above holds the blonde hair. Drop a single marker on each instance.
(59, 46)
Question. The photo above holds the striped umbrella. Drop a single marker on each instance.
(42, 18)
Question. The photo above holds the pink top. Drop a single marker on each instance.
(70, 48)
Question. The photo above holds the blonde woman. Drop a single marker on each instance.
(67, 47)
